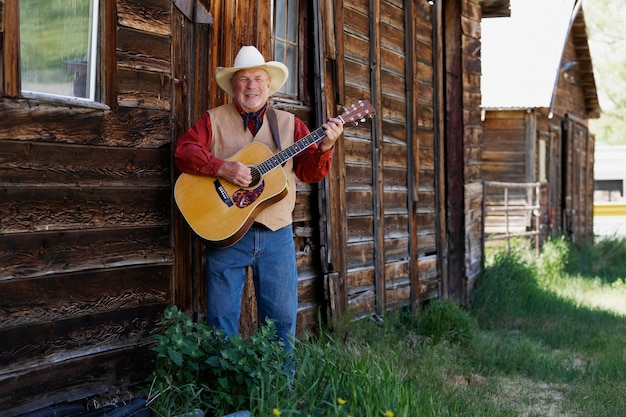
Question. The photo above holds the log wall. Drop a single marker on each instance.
(85, 223)
(512, 142)
(93, 249)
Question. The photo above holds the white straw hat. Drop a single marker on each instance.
(250, 57)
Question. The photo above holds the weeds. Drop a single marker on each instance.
(537, 341)
(198, 367)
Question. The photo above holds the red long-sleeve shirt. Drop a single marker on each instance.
(192, 153)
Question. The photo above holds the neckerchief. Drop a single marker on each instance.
(253, 121)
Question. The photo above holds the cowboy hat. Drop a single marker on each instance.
(249, 57)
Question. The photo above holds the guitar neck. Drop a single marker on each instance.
(353, 115)
(293, 150)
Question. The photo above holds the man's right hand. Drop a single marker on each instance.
(236, 173)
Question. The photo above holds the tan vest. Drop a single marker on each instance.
(229, 137)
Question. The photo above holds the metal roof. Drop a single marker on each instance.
(521, 54)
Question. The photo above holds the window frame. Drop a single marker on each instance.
(10, 71)
(92, 64)
(300, 96)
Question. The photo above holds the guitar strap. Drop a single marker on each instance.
(271, 119)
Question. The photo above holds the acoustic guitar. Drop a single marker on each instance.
(221, 212)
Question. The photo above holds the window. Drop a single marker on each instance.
(285, 37)
(58, 47)
(609, 190)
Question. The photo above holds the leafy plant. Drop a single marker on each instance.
(197, 366)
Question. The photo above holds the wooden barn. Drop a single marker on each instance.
(93, 95)
(538, 95)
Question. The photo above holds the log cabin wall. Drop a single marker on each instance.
(393, 182)
(85, 216)
(515, 139)
(462, 133)
(472, 148)
(93, 248)
(377, 180)
(573, 106)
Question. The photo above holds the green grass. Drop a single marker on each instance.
(538, 340)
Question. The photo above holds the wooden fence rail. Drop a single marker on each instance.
(521, 218)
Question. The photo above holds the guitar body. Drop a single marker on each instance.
(221, 212)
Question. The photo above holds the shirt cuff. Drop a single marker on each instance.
(211, 168)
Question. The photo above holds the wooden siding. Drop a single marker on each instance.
(511, 149)
(381, 182)
(472, 147)
(93, 248)
(85, 219)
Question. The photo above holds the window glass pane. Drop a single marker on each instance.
(292, 19)
(292, 62)
(57, 46)
(285, 36)
(279, 54)
(280, 23)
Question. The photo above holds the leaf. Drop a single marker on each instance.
(175, 356)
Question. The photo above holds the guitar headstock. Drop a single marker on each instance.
(357, 113)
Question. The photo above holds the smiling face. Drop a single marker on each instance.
(251, 88)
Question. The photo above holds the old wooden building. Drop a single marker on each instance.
(538, 95)
(92, 247)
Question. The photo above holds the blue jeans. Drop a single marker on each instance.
(272, 258)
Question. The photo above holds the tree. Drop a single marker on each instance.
(607, 41)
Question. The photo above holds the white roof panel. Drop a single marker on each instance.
(521, 54)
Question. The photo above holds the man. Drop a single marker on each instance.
(268, 246)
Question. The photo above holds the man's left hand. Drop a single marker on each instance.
(333, 128)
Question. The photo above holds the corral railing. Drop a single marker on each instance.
(511, 210)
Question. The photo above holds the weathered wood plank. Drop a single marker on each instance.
(357, 47)
(395, 178)
(81, 293)
(310, 292)
(43, 253)
(360, 255)
(396, 226)
(397, 250)
(24, 210)
(358, 152)
(392, 38)
(427, 244)
(359, 202)
(393, 107)
(359, 74)
(360, 229)
(1, 16)
(356, 24)
(396, 202)
(38, 120)
(359, 176)
(394, 131)
(142, 50)
(151, 16)
(63, 165)
(143, 89)
(74, 379)
(395, 155)
(137, 128)
(59, 339)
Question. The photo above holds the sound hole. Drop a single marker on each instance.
(256, 177)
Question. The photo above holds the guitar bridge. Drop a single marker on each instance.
(221, 191)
